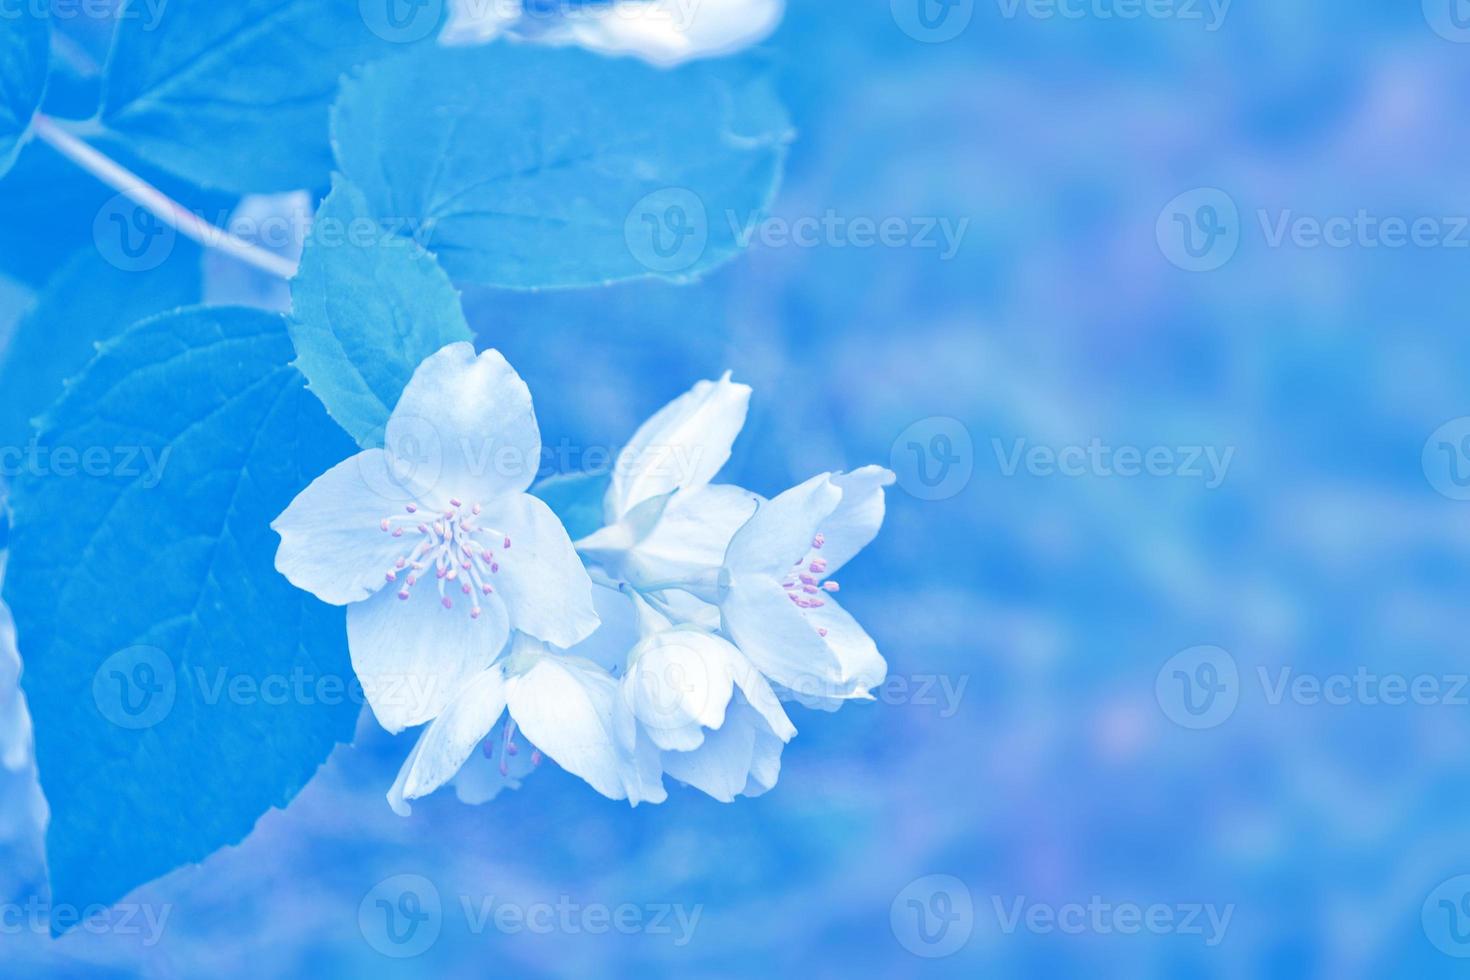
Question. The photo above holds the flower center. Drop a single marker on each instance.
(807, 580)
(453, 545)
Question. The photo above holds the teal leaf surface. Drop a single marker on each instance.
(156, 633)
(367, 307)
(235, 95)
(25, 46)
(527, 167)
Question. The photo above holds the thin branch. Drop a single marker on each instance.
(145, 195)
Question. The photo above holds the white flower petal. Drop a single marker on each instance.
(667, 32)
(413, 656)
(565, 706)
(680, 682)
(478, 21)
(481, 779)
(765, 763)
(863, 667)
(544, 584)
(855, 522)
(721, 767)
(682, 446)
(782, 529)
(448, 743)
(332, 544)
(760, 697)
(617, 633)
(466, 424)
(692, 537)
(779, 638)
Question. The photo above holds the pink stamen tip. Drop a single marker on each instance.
(487, 589)
(423, 529)
(447, 602)
(454, 502)
(818, 566)
(452, 574)
(494, 566)
(398, 532)
(390, 577)
(818, 541)
(440, 573)
(536, 757)
(403, 594)
(400, 563)
(831, 586)
(512, 749)
(412, 579)
(817, 603)
(808, 580)
(809, 589)
(821, 631)
(507, 541)
(794, 597)
(475, 613)
(487, 555)
(412, 508)
(383, 524)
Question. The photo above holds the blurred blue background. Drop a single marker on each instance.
(1041, 745)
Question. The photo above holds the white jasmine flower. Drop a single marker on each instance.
(433, 543)
(778, 600)
(663, 32)
(563, 706)
(696, 697)
(665, 521)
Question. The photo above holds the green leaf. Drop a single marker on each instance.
(235, 95)
(25, 46)
(526, 166)
(158, 637)
(367, 308)
(87, 302)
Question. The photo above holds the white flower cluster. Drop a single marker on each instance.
(700, 608)
(664, 32)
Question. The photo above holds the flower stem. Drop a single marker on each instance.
(145, 195)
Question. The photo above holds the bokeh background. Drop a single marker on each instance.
(1038, 746)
